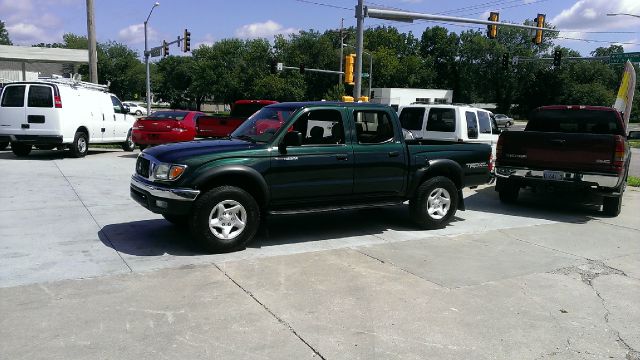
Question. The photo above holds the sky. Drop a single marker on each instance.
(34, 21)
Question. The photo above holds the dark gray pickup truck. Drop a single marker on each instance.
(304, 157)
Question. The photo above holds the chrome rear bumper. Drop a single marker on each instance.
(600, 180)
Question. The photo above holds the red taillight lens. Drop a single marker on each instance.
(619, 155)
(57, 101)
(499, 147)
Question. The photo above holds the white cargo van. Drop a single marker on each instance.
(459, 123)
(62, 113)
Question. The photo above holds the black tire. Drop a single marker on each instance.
(211, 204)
(508, 191)
(3, 145)
(142, 146)
(45, 147)
(178, 220)
(129, 145)
(429, 208)
(80, 145)
(20, 149)
(138, 112)
(611, 206)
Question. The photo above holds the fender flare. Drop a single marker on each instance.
(236, 171)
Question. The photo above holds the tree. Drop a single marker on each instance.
(606, 51)
(4, 35)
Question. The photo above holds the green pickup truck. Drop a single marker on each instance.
(304, 157)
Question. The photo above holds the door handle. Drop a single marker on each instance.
(341, 157)
(394, 153)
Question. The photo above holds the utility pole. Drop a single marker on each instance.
(357, 89)
(341, 49)
(91, 36)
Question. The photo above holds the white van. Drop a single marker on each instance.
(63, 113)
(445, 122)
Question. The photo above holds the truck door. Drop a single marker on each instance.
(13, 109)
(380, 159)
(120, 124)
(321, 168)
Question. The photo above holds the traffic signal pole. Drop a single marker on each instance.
(357, 89)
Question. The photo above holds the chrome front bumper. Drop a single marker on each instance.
(601, 180)
(179, 194)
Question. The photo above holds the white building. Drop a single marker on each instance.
(25, 63)
(396, 97)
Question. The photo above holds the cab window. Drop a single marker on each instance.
(472, 125)
(13, 96)
(411, 118)
(373, 127)
(320, 127)
(485, 122)
(442, 120)
(40, 96)
(117, 105)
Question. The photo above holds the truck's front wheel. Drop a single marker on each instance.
(435, 203)
(224, 219)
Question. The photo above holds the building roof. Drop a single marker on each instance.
(38, 54)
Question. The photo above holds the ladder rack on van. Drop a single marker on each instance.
(76, 83)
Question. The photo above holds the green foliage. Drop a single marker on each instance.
(633, 181)
(4, 35)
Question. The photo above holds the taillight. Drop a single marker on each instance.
(619, 155)
(491, 162)
(57, 101)
(499, 147)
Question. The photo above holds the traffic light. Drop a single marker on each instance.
(273, 67)
(165, 48)
(349, 62)
(186, 41)
(301, 68)
(492, 30)
(557, 58)
(505, 61)
(539, 24)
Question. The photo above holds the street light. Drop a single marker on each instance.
(146, 59)
(370, 66)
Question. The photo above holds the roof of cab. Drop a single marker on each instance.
(302, 104)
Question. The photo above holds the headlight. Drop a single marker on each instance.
(168, 172)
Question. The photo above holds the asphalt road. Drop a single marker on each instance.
(87, 273)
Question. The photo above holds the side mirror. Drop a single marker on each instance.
(634, 135)
(292, 138)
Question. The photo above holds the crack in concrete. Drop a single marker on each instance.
(279, 319)
(399, 267)
(588, 273)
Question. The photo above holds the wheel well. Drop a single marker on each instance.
(84, 130)
(244, 182)
(443, 171)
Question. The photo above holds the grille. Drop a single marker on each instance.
(142, 167)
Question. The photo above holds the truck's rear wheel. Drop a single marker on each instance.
(224, 219)
(80, 145)
(435, 203)
(20, 149)
(611, 206)
(507, 190)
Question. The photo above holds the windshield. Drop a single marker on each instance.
(264, 124)
(175, 115)
(245, 110)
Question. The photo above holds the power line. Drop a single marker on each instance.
(598, 41)
(323, 4)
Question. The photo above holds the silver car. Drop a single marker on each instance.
(503, 120)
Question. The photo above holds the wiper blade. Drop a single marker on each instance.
(245, 137)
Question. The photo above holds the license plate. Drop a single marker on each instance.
(552, 175)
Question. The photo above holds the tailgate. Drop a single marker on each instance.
(215, 126)
(557, 151)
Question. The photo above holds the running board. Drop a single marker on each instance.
(333, 208)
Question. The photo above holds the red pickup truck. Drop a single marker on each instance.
(220, 126)
(582, 148)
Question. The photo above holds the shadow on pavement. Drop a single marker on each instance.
(49, 154)
(159, 237)
(560, 207)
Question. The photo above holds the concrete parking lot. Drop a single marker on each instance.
(87, 273)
